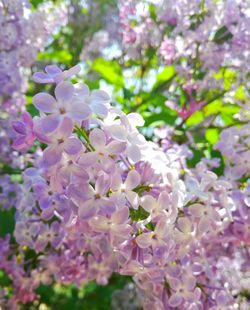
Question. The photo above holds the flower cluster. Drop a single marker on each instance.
(101, 199)
(23, 34)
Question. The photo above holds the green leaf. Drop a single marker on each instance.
(7, 222)
(109, 71)
(153, 119)
(213, 108)
(222, 35)
(164, 76)
(62, 56)
(212, 135)
(195, 119)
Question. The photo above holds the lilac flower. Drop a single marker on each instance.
(206, 216)
(53, 74)
(183, 290)
(46, 234)
(26, 134)
(65, 105)
(103, 151)
(123, 192)
(160, 208)
(98, 100)
(89, 200)
(117, 225)
(157, 238)
(61, 141)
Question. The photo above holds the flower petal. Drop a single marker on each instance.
(120, 216)
(42, 78)
(64, 91)
(175, 300)
(72, 146)
(144, 240)
(97, 138)
(79, 111)
(44, 102)
(19, 143)
(87, 159)
(52, 69)
(52, 155)
(133, 153)
(99, 101)
(133, 180)
(50, 123)
(118, 132)
(19, 127)
(148, 202)
(115, 147)
(66, 127)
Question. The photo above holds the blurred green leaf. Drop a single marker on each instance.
(109, 71)
(164, 76)
(212, 135)
(222, 35)
(52, 56)
(195, 119)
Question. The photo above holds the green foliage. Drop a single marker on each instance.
(222, 35)
(89, 297)
(109, 71)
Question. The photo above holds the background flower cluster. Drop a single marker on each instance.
(124, 154)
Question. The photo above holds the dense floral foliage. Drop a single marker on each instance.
(162, 195)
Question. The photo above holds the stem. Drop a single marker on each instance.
(81, 132)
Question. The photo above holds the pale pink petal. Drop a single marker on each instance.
(82, 90)
(52, 155)
(79, 111)
(44, 102)
(99, 101)
(97, 139)
(204, 225)
(118, 132)
(99, 223)
(133, 198)
(161, 228)
(102, 184)
(64, 91)
(164, 201)
(100, 110)
(133, 153)
(135, 119)
(174, 283)
(120, 216)
(115, 147)
(175, 300)
(66, 127)
(72, 71)
(189, 282)
(87, 210)
(88, 159)
(185, 225)
(50, 123)
(72, 146)
(144, 240)
(196, 210)
(148, 203)
(133, 180)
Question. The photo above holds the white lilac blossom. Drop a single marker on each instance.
(101, 199)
